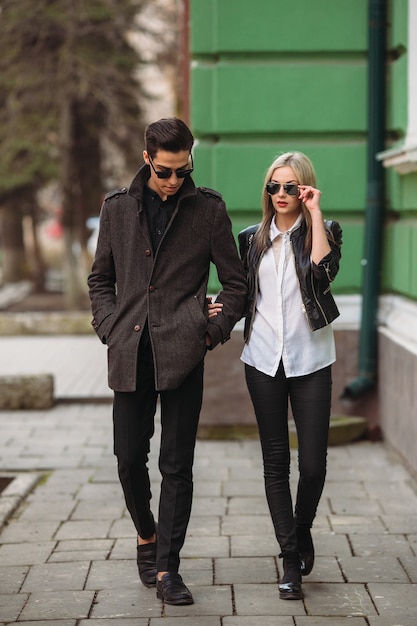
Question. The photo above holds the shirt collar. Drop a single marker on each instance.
(274, 230)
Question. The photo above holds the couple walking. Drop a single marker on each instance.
(148, 291)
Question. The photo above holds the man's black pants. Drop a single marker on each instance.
(133, 420)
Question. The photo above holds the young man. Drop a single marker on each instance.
(148, 297)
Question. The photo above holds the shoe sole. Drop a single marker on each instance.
(183, 602)
(286, 595)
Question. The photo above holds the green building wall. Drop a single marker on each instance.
(278, 75)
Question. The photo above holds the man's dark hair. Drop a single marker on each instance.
(170, 134)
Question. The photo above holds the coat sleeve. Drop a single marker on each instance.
(328, 267)
(102, 279)
(231, 275)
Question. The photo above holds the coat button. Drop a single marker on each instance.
(136, 327)
(148, 253)
(151, 288)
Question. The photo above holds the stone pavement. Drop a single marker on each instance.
(67, 551)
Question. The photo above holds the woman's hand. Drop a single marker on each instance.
(320, 246)
(310, 196)
(213, 307)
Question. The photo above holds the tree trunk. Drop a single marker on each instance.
(14, 262)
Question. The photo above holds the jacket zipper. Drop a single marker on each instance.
(316, 299)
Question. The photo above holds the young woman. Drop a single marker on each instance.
(290, 258)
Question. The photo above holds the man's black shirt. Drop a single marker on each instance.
(158, 214)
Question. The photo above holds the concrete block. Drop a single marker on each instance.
(26, 392)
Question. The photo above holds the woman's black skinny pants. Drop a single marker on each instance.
(310, 398)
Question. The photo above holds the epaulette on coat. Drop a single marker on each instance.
(115, 192)
(211, 192)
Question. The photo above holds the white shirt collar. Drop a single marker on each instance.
(274, 230)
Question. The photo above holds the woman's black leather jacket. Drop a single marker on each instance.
(318, 303)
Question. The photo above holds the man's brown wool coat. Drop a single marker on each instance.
(129, 284)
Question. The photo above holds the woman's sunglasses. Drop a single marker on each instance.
(290, 188)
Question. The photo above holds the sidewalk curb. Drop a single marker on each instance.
(21, 485)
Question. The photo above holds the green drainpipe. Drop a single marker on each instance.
(367, 361)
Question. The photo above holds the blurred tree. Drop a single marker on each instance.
(69, 81)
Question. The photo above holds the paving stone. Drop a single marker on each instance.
(330, 621)
(11, 606)
(123, 548)
(354, 506)
(245, 570)
(57, 605)
(47, 510)
(403, 620)
(331, 544)
(129, 602)
(205, 620)
(54, 622)
(333, 489)
(25, 553)
(258, 620)
(246, 525)
(216, 506)
(400, 524)
(208, 600)
(72, 557)
(410, 565)
(378, 568)
(29, 531)
(135, 621)
(56, 576)
(329, 599)
(357, 524)
(210, 547)
(326, 570)
(241, 505)
(94, 529)
(243, 488)
(263, 600)
(204, 526)
(203, 488)
(107, 509)
(253, 545)
(108, 574)
(12, 577)
(396, 545)
(123, 527)
(394, 601)
(100, 491)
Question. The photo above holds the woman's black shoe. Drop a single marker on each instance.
(172, 590)
(290, 585)
(306, 549)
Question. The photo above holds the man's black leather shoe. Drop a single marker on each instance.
(172, 590)
(146, 560)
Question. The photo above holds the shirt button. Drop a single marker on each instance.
(148, 253)
(151, 288)
(136, 327)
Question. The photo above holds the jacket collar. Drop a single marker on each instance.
(141, 177)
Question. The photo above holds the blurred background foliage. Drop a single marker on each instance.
(73, 97)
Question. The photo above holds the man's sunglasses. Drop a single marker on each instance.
(168, 173)
(290, 188)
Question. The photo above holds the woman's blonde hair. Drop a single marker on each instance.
(305, 174)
